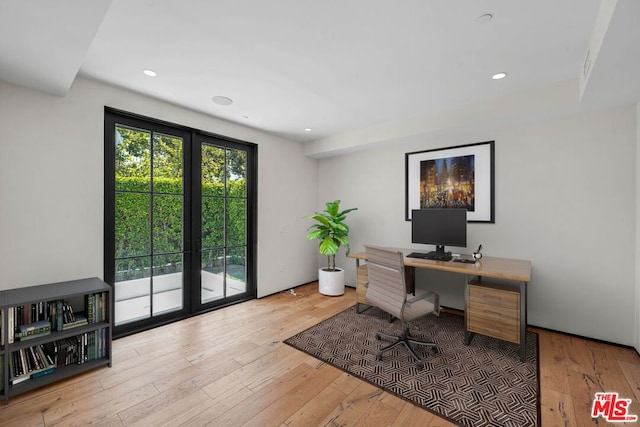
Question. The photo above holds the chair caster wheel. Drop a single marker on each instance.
(420, 366)
(379, 356)
(378, 337)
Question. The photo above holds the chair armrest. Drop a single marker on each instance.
(422, 294)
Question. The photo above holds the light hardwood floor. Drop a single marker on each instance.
(230, 368)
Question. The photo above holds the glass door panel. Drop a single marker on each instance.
(236, 222)
(236, 271)
(149, 226)
(168, 290)
(168, 223)
(212, 223)
(223, 223)
(133, 281)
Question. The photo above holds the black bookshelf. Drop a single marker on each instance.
(93, 339)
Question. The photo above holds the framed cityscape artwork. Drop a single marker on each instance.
(452, 177)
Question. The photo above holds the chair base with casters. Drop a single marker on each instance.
(406, 340)
(387, 289)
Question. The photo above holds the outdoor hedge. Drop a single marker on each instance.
(133, 217)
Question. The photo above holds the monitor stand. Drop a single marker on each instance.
(440, 249)
(439, 254)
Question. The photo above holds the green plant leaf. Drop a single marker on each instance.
(322, 219)
(317, 234)
(328, 247)
(346, 211)
(332, 207)
(342, 238)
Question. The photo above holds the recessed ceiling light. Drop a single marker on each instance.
(222, 100)
(150, 73)
(483, 19)
(499, 76)
(307, 130)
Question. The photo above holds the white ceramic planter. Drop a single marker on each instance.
(331, 282)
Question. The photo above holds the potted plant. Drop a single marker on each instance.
(332, 233)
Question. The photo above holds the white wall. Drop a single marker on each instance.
(564, 191)
(51, 186)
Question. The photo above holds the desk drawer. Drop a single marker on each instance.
(494, 297)
(503, 331)
(493, 312)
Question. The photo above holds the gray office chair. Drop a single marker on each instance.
(387, 290)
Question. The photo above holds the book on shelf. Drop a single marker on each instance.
(43, 359)
(24, 314)
(103, 305)
(10, 324)
(18, 380)
(63, 314)
(43, 372)
(27, 321)
(50, 351)
(78, 349)
(33, 330)
(68, 316)
(27, 363)
(79, 320)
(89, 307)
(95, 307)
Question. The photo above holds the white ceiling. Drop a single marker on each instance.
(334, 66)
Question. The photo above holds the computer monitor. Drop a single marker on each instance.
(440, 227)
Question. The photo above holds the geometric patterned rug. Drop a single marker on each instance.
(482, 384)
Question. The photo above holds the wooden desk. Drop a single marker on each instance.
(495, 299)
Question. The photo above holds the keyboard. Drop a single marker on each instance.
(417, 255)
(436, 256)
(465, 261)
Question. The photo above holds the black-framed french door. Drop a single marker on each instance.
(223, 210)
(180, 220)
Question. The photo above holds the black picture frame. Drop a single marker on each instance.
(458, 176)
